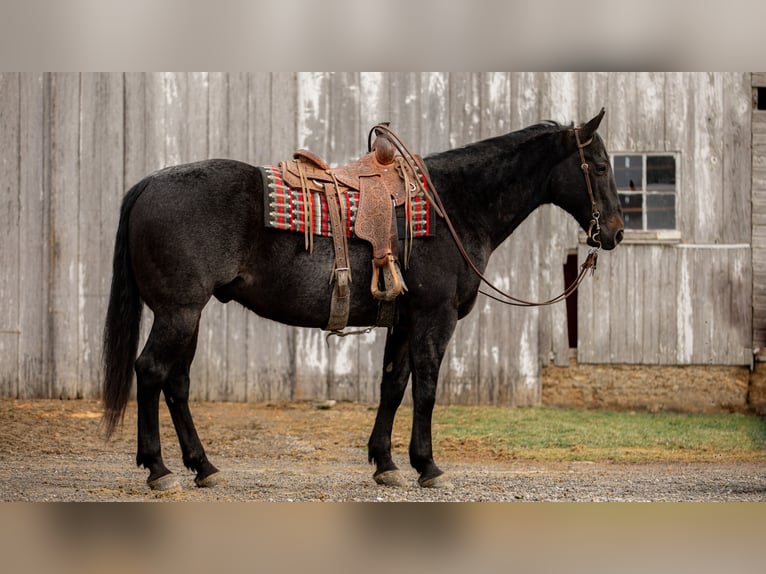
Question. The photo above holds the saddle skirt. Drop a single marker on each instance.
(286, 206)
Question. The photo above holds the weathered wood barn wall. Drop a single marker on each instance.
(73, 143)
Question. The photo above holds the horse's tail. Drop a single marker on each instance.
(123, 319)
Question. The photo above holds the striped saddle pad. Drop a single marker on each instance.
(285, 208)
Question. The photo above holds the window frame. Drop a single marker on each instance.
(645, 234)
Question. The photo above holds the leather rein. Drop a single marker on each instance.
(594, 229)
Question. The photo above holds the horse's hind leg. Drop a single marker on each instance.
(176, 391)
(396, 372)
(164, 366)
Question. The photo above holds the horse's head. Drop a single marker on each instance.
(583, 184)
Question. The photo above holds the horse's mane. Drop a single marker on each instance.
(513, 139)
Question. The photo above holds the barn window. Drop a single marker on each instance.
(647, 185)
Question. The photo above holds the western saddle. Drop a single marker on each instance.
(384, 180)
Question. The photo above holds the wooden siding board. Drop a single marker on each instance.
(737, 162)
(312, 364)
(236, 316)
(374, 107)
(208, 118)
(134, 114)
(562, 229)
(622, 110)
(34, 342)
(10, 208)
(101, 187)
(271, 354)
(593, 94)
(707, 173)
(405, 108)
(64, 272)
(505, 364)
(464, 355)
(344, 126)
(666, 296)
(650, 106)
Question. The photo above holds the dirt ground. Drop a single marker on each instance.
(53, 451)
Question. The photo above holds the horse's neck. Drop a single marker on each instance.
(488, 190)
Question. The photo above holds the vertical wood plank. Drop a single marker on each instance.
(562, 229)
(593, 94)
(679, 122)
(405, 108)
(144, 149)
(10, 207)
(375, 107)
(345, 146)
(739, 283)
(668, 286)
(193, 129)
(684, 313)
(587, 309)
(101, 187)
(134, 157)
(650, 100)
(593, 309)
(209, 116)
(271, 354)
(622, 111)
(34, 260)
(625, 334)
(464, 383)
(236, 315)
(508, 336)
(64, 272)
(705, 174)
(737, 158)
(648, 295)
(434, 112)
(312, 364)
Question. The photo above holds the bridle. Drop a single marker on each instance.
(594, 230)
(585, 167)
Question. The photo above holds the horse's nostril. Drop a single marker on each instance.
(619, 235)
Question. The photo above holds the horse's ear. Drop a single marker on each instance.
(590, 128)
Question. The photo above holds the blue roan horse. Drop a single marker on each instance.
(191, 232)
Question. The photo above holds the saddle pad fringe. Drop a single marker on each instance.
(286, 209)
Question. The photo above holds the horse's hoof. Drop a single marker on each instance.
(389, 478)
(164, 483)
(440, 481)
(210, 480)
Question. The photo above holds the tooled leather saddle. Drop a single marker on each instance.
(383, 180)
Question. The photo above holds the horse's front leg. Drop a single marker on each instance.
(430, 335)
(396, 373)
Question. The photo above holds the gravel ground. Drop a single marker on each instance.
(52, 451)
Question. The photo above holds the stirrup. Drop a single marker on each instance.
(392, 279)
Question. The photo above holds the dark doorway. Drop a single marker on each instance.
(570, 274)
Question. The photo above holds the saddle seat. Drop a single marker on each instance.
(384, 181)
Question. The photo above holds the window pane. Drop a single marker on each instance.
(628, 172)
(660, 173)
(632, 208)
(661, 211)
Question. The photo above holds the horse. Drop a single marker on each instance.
(191, 232)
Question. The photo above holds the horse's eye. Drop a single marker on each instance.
(601, 168)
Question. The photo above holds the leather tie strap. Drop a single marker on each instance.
(339, 304)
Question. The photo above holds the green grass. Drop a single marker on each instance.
(544, 433)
